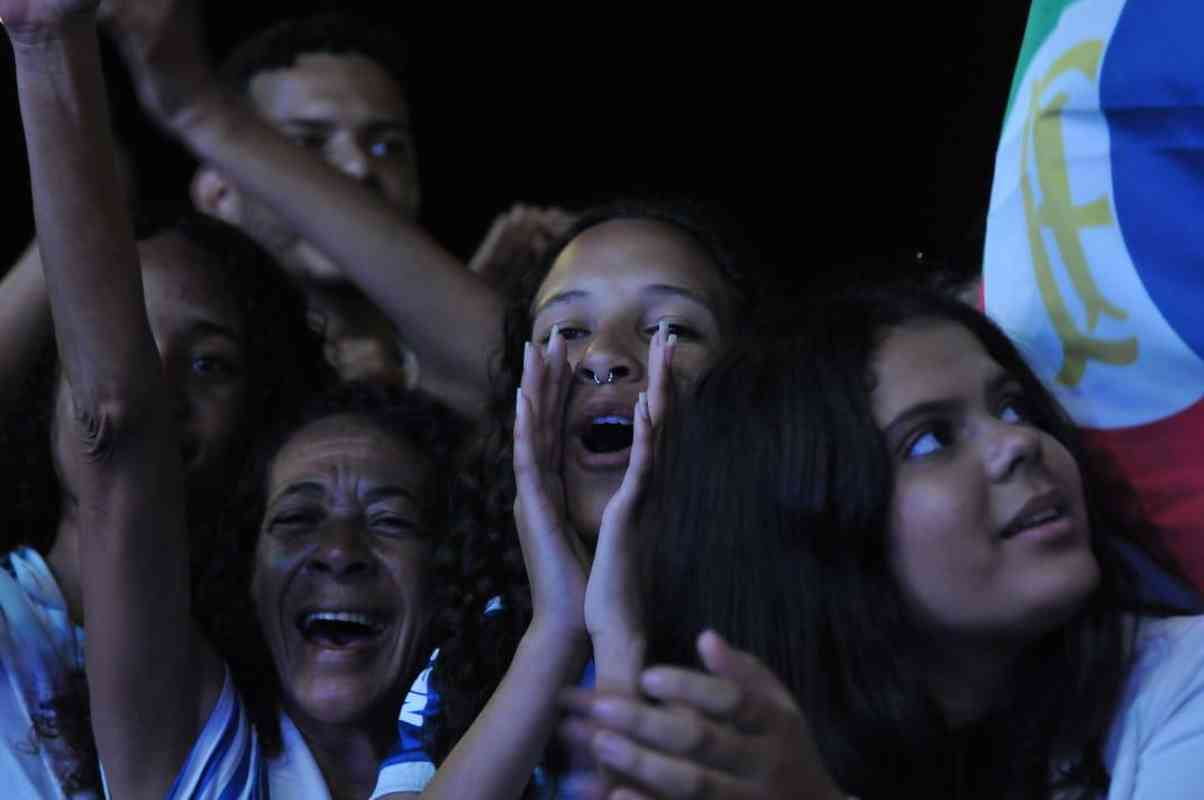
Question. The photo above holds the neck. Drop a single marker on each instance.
(349, 754)
(967, 682)
(63, 560)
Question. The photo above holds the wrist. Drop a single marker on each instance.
(35, 43)
(619, 659)
(551, 631)
(204, 110)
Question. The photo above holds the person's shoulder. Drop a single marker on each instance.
(1173, 638)
(1168, 665)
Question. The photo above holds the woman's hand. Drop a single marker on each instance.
(552, 551)
(161, 44)
(733, 732)
(33, 22)
(612, 613)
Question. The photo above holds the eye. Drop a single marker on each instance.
(392, 524)
(680, 329)
(393, 146)
(294, 520)
(214, 366)
(928, 441)
(567, 332)
(309, 140)
(1015, 409)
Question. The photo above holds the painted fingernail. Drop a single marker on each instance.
(518, 401)
(554, 336)
(662, 328)
(643, 404)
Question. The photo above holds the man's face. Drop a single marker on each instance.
(348, 109)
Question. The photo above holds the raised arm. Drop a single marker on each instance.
(448, 316)
(116, 440)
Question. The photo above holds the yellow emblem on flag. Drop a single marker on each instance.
(1043, 129)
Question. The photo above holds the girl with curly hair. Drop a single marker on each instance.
(636, 300)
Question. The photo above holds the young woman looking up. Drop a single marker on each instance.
(918, 547)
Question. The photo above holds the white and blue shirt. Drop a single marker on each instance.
(39, 648)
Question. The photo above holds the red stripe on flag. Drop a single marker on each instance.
(1164, 462)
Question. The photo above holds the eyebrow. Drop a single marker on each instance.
(207, 327)
(321, 124)
(656, 291)
(373, 495)
(944, 406)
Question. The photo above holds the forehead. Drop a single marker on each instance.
(626, 255)
(181, 285)
(344, 86)
(927, 360)
(345, 448)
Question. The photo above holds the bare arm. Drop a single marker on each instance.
(145, 666)
(448, 316)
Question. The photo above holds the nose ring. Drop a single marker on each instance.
(610, 377)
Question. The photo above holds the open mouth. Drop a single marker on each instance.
(608, 434)
(336, 629)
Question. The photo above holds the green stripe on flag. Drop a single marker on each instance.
(1042, 19)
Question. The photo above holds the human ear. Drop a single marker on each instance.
(213, 194)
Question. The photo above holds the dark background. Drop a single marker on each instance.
(828, 138)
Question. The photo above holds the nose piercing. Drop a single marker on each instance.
(610, 377)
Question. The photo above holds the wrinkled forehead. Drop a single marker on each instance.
(329, 85)
(347, 451)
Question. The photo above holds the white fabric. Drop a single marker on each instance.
(226, 762)
(1155, 749)
(39, 648)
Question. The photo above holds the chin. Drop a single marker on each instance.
(345, 702)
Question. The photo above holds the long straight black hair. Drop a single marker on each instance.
(769, 521)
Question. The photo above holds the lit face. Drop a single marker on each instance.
(350, 111)
(989, 538)
(607, 292)
(340, 575)
(199, 332)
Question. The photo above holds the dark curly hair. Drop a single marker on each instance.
(334, 33)
(283, 364)
(482, 560)
(230, 619)
(792, 553)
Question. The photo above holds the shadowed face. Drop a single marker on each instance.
(199, 332)
(351, 112)
(341, 565)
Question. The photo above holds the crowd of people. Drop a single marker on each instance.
(312, 509)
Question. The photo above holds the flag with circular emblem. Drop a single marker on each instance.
(1094, 259)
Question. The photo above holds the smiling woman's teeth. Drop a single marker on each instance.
(339, 627)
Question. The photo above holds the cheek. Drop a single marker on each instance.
(691, 363)
(219, 410)
(940, 545)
